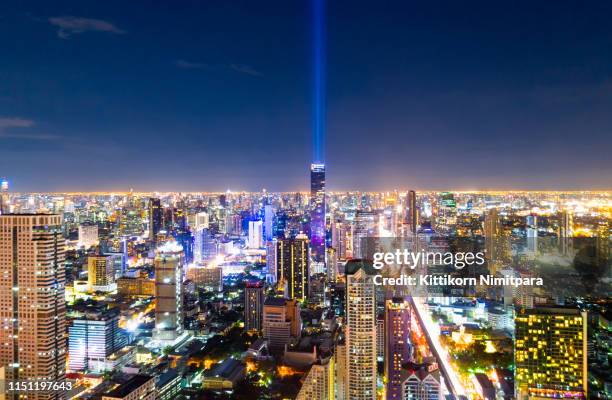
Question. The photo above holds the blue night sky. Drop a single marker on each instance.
(207, 95)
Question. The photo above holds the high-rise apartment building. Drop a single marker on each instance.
(169, 261)
(319, 382)
(317, 211)
(253, 306)
(397, 344)
(32, 291)
(360, 335)
(550, 353)
(292, 267)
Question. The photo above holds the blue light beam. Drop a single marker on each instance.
(319, 106)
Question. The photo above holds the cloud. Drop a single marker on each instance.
(69, 26)
(8, 124)
(245, 69)
(240, 68)
(189, 65)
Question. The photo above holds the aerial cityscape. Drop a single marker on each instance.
(238, 247)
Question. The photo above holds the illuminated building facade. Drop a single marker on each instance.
(550, 353)
(209, 278)
(292, 267)
(32, 292)
(156, 218)
(88, 235)
(397, 344)
(319, 382)
(4, 199)
(255, 234)
(101, 273)
(317, 212)
(421, 384)
(169, 261)
(92, 338)
(134, 287)
(360, 336)
(364, 227)
(281, 322)
(412, 216)
(253, 308)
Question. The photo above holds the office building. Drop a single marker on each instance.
(397, 344)
(205, 247)
(88, 235)
(550, 352)
(32, 297)
(281, 322)
(92, 338)
(209, 278)
(253, 306)
(156, 218)
(169, 261)
(135, 286)
(317, 212)
(364, 227)
(268, 222)
(255, 234)
(292, 267)
(101, 273)
(421, 383)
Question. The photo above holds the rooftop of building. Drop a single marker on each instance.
(129, 386)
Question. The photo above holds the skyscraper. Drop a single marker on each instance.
(292, 267)
(255, 234)
(397, 344)
(364, 227)
(32, 291)
(268, 222)
(317, 212)
(169, 262)
(550, 353)
(4, 200)
(412, 214)
(253, 306)
(156, 217)
(360, 335)
(319, 383)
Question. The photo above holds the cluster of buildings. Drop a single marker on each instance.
(144, 284)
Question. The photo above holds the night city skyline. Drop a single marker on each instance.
(204, 97)
(305, 200)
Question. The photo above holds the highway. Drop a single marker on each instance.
(451, 377)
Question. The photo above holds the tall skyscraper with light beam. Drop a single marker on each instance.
(317, 212)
